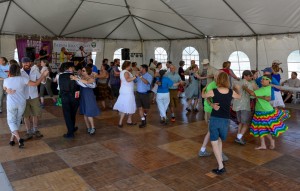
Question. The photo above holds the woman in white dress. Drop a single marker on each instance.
(126, 100)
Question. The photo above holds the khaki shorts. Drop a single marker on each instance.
(32, 108)
(173, 98)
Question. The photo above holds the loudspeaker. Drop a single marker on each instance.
(30, 53)
(125, 54)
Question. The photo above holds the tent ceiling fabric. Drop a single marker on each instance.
(149, 19)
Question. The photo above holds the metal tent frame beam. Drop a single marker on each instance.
(4, 19)
(228, 5)
(169, 26)
(116, 27)
(188, 22)
(152, 28)
(105, 3)
(95, 25)
(128, 8)
(34, 18)
(71, 18)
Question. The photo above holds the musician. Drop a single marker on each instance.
(43, 54)
(82, 53)
(64, 55)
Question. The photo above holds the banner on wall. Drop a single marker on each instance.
(73, 46)
(23, 45)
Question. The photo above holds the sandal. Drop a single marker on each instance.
(21, 143)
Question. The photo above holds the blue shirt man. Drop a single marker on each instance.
(4, 71)
(142, 98)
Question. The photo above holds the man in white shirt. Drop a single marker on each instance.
(32, 99)
(292, 82)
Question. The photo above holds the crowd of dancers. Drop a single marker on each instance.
(257, 101)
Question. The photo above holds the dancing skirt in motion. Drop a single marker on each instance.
(269, 122)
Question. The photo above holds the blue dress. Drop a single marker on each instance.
(88, 104)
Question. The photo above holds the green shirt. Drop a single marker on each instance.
(261, 104)
(212, 85)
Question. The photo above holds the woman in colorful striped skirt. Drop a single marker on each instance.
(266, 121)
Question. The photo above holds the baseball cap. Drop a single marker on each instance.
(25, 59)
(267, 70)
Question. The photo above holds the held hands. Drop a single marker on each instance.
(73, 77)
(216, 106)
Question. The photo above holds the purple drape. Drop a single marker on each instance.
(22, 44)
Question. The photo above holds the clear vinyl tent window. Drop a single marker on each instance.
(118, 54)
(161, 56)
(188, 54)
(16, 56)
(293, 63)
(94, 56)
(239, 62)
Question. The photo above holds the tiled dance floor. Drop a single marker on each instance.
(154, 158)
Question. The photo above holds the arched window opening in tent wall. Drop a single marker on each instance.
(118, 54)
(188, 54)
(161, 56)
(239, 62)
(94, 55)
(293, 63)
(16, 56)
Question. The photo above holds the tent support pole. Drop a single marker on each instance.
(182, 17)
(34, 19)
(208, 47)
(103, 50)
(128, 8)
(256, 43)
(4, 19)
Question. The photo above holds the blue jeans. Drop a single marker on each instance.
(218, 127)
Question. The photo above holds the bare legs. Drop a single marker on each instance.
(217, 148)
(122, 115)
(263, 143)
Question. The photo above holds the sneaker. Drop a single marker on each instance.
(204, 154)
(219, 171)
(240, 141)
(143, 124)
(92, 131)
(88, 130)
(38, 134)
(173, 119)
(224, 157)
(188, 109)
(28, 136)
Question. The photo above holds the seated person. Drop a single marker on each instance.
(292, 82)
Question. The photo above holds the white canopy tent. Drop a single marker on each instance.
(263, 30)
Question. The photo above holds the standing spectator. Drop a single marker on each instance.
(88, 104)
(219, 120)
(126, 101)
(4, 68)
(32, 110)
(172, 75)
(142, 98)
(46, 84)
(182, 76)
(70, 98)
(163, 95)
(168, 65)
(114, 80)
(15, 86)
